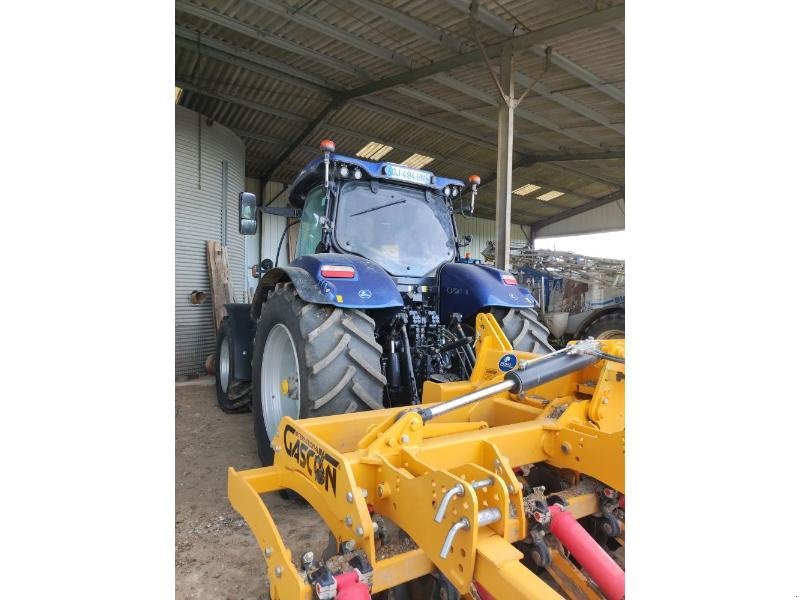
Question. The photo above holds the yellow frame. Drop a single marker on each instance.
(401, 466)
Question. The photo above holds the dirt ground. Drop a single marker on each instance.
(215, 554)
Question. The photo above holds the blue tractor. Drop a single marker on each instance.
(377, 301)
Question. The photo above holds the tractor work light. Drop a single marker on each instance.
(447, 191)
(509, 279)
(344, 171)
(327, 146)
(338, 272)
(474, 182)
(357, 173)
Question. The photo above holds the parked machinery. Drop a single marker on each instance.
(493, 480)
(378, 300)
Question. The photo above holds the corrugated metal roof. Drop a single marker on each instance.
(268, 68)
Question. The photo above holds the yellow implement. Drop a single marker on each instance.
(448, 473)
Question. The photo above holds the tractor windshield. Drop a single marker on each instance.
(395, 226)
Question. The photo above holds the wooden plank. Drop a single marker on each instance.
(219, 276)
(291, 239)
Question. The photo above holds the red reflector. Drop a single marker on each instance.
(338, 271)
(509, 279)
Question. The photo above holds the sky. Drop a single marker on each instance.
(601, 245)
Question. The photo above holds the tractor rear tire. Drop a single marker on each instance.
(523, 329)
(610, 326)
(336, 356)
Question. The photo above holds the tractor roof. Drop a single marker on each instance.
(312, 175)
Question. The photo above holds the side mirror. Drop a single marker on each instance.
(247, 213)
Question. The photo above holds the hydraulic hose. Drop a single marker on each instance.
(280, 243)
(608, 575)
(410, 379)
(611, 357)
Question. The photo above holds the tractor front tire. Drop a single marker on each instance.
(336, 357)
(523, 329)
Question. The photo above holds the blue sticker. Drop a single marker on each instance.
(507, 362)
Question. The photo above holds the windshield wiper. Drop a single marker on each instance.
(378, 207)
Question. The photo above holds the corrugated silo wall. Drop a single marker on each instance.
(209, 174)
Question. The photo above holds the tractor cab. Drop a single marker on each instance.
(398, 217)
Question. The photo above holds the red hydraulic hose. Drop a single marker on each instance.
(348, 587)
(598, 564)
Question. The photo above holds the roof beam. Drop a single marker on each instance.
(345, 131)
(522, 42)
(267, 66)
(397, 58)
(489, 123)
(381, 105)
(534, 160)
(455, 84)
(611, 154)
(518, 112)
(260, 137)
(594, 176)
(361, 135)
(291, 14)
(501, 26)
(251, 60)
(192, 87)
(271, 39)
(448, 43)
(569, 103)
(374, 104)
(413, 25)
(461, 164)
(596, 203)
(327, 112)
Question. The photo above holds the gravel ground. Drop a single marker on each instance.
(215, 554)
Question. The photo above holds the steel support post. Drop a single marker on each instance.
(505, 149)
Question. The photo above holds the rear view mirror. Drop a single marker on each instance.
(247, 213)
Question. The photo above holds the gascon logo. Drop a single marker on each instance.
(320, 466)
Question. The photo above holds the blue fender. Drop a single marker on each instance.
(469, 288)
(371, 287)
